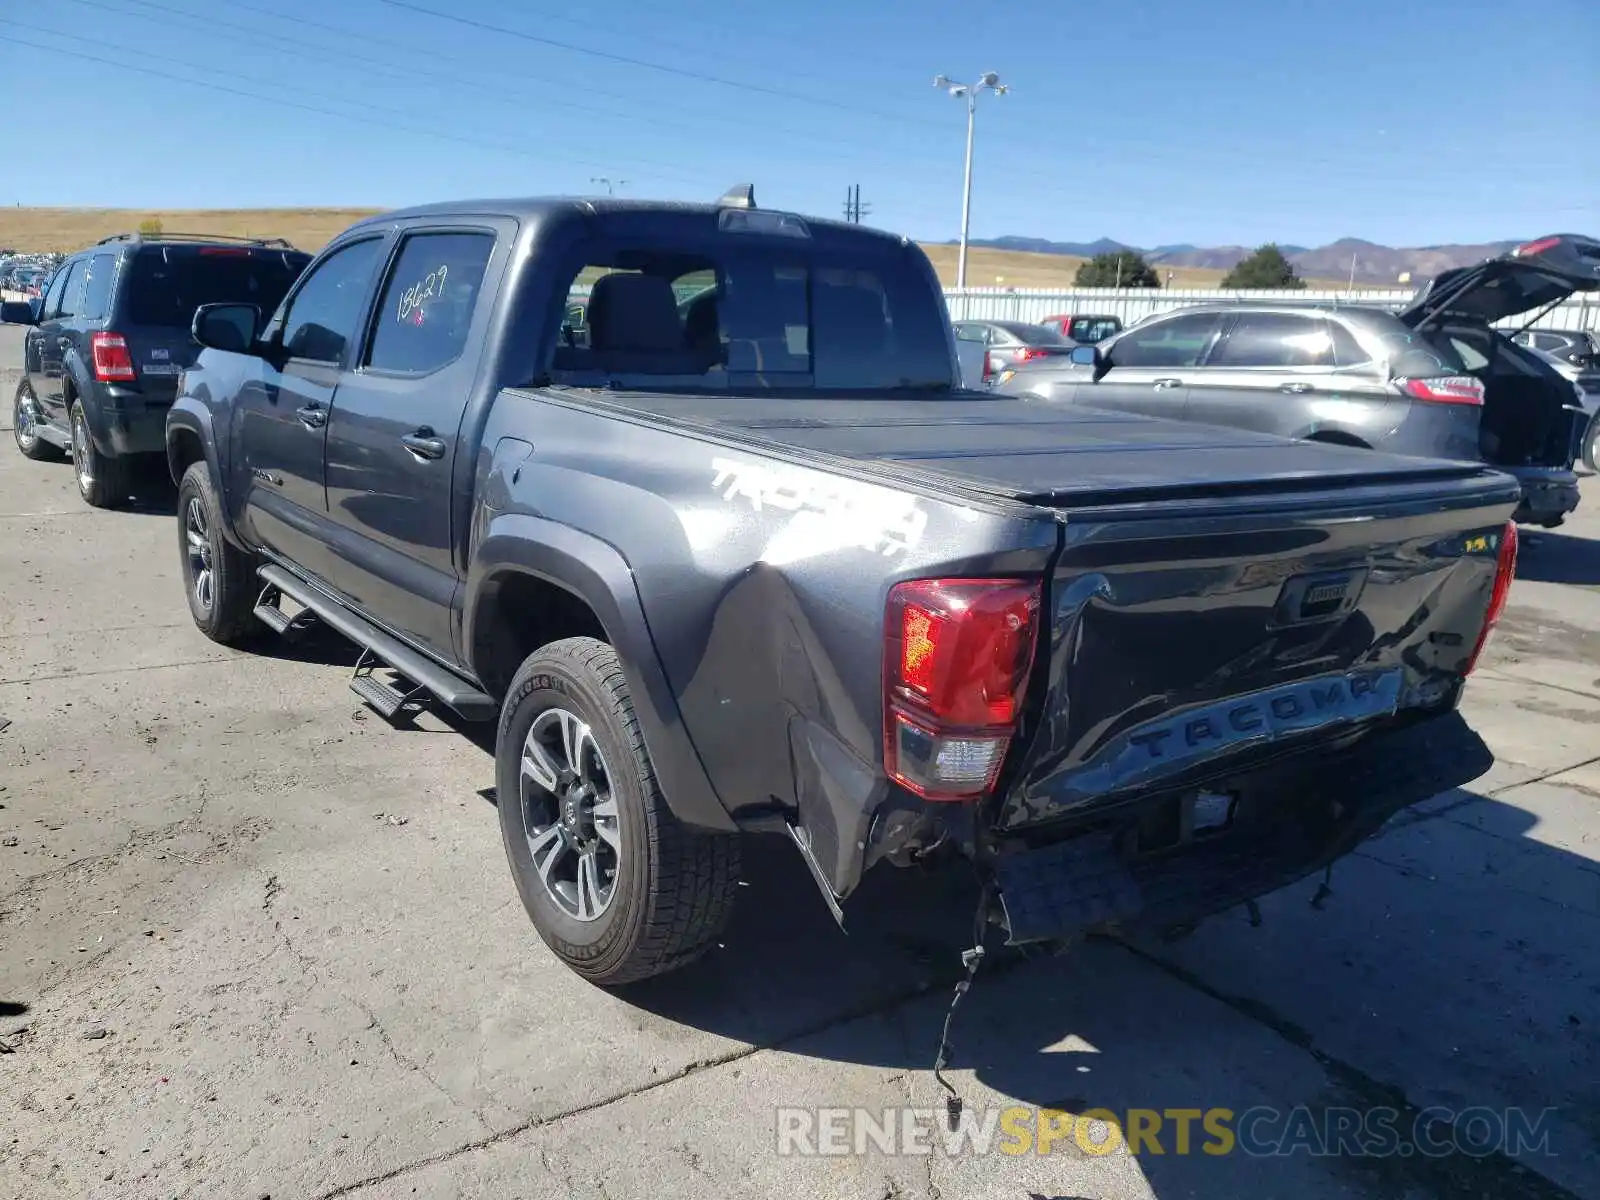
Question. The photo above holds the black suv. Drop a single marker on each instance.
(110, 336)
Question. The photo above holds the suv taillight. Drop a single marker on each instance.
(955, 668)
(1504, 572)
(1445, 389)
(112, 362)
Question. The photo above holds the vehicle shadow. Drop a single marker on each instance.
(1559, 558)
(1330, 1006)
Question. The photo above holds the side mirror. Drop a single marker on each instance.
(1085, 356)
(230, 327)
(18, 312)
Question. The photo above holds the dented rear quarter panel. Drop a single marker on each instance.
(763, 578)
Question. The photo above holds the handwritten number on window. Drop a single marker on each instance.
(415, 296)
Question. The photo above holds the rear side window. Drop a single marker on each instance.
(1422, 356)
(1175, 342)
(97, 287)
(165, 284)
(1275, 340)
(427, 304)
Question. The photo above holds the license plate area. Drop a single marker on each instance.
(1179, 821)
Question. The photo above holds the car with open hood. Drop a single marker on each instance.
(1436, 380)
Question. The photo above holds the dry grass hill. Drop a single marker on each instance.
(69, 229)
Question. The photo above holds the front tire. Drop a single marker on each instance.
(1591, 445)
(102, 478)
(218, 578)
(617, 887)
(25, 425)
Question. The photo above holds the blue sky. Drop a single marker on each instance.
(1151, 121)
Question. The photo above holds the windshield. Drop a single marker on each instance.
(166, 284)
(738, 315)
(1090, 330)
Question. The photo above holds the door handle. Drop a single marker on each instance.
(312, 416)
(1162, 385)
(424, 443)
(1296, 389)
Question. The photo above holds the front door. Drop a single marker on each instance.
(1152, 365)
(394, 432)
(282, 422)
(45, 352)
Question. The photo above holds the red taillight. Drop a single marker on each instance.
(988, 365)
(112, 362)
(1538, 247)
(956, 660)
(1029, 353)
(1504, 572)
(1445, 389)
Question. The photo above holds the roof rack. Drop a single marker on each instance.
(163, 236)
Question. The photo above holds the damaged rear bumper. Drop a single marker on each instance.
(1284, 823)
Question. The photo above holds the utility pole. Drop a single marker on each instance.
(1351, 289)
(853, 208)
(988, 81)
(611, 185)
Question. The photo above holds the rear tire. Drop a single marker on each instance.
(655, 894)
(24, 427)
(1591, 445)
(218, 578)
(102, 478)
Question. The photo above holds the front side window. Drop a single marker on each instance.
(325, 313)
(52, 297)
(70, 298)
(1175, 342)
(425, 311)
(1275, 340)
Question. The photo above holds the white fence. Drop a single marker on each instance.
(1133, 304)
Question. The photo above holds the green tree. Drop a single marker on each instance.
(1120, 268)
(1266, 268)
(150, 227)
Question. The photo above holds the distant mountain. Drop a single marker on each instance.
(1374, 264)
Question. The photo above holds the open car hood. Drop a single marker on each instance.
(1531, 276)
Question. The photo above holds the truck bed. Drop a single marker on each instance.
(1064, 457)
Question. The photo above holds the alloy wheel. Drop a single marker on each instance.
(81, 451)
(24, 420)
(198, 538)
(569, 814)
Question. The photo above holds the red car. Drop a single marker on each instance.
(1085, 330)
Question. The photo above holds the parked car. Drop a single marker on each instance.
(1435, 380)
(1575, 348)
(1084, 330)
(1010, 343)
(1586, 385)
(104, 350)
(769, 572)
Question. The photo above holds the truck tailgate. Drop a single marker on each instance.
(1184, 649)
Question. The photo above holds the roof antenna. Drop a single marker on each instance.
(740, 195)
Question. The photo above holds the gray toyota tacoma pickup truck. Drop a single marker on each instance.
(688, 499)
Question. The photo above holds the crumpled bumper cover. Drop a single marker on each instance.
(1330, 804)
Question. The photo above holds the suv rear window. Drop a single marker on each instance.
(165, 284)
(1090, 330)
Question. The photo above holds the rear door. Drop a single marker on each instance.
(1152, 364)
(395, 430)
(1283, 373)
(281, 424)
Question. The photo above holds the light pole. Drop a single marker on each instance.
(611, 185)
(988, 81)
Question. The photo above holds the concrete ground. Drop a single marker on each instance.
(254, 942)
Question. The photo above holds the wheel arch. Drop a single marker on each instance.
(533, 581)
